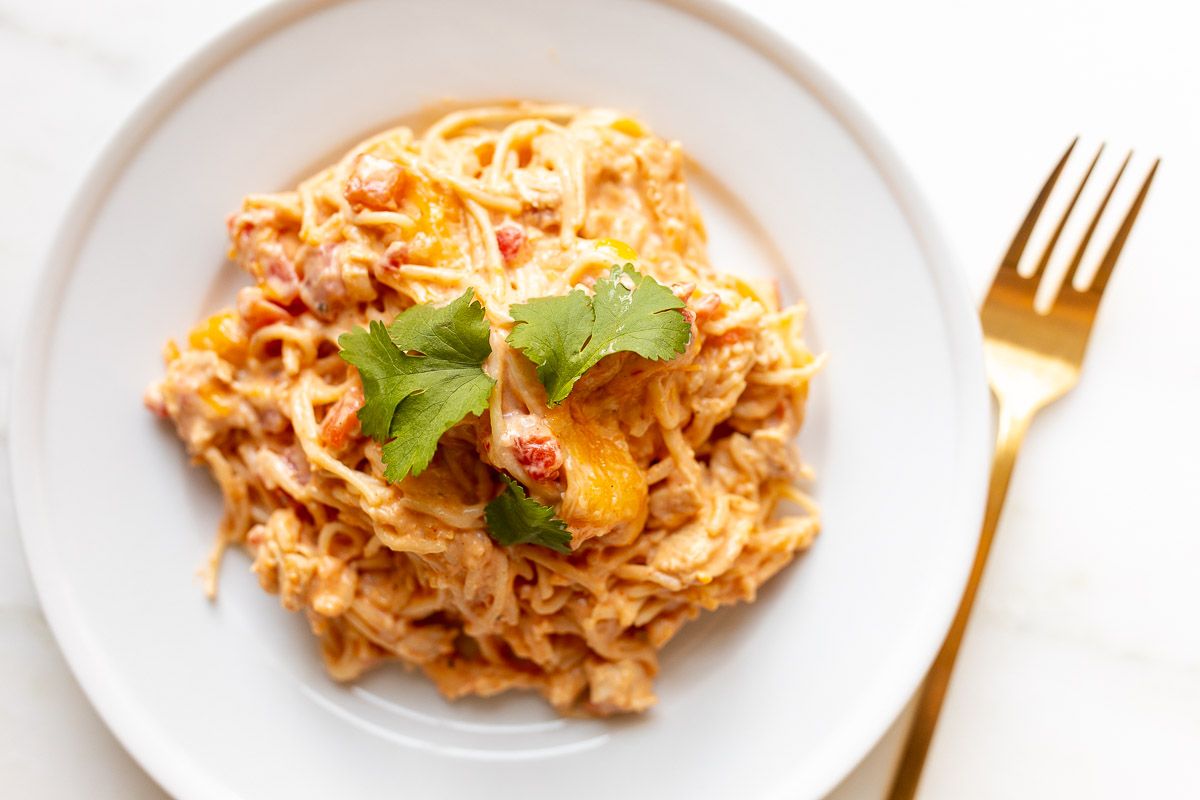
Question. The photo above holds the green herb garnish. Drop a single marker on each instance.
(513, 518)
(420, 377)
(566, 336)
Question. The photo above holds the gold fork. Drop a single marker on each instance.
(1032, 360)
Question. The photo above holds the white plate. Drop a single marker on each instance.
(780, 698)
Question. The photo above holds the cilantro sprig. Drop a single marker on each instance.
(424, 373)
(420, 376)
(513, 518)
(566, 336)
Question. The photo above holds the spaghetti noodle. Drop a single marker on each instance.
(672, 476)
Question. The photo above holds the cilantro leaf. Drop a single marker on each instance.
(512, 518)
(566, 336)
(420, 377)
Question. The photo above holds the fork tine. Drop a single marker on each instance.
(1013, 256)
(1114, 250)
(1062, 221)
(1069, 280)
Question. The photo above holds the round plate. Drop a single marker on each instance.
(778, 698)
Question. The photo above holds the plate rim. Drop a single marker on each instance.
(127, 718)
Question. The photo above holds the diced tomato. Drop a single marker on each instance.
(396, 254)
(510, 238)
(341, 421)
(540, 455)
(374, 184)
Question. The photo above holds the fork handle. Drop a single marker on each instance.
(1012, 427)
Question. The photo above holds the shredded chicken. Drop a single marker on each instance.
(676, 478)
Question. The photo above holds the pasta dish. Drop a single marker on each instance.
(487, 410)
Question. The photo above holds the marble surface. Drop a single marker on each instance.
(1080, 674)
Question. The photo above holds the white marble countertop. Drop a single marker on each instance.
(1080, 675)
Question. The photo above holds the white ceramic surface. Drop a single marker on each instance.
(779, 698)
(1078, 675)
